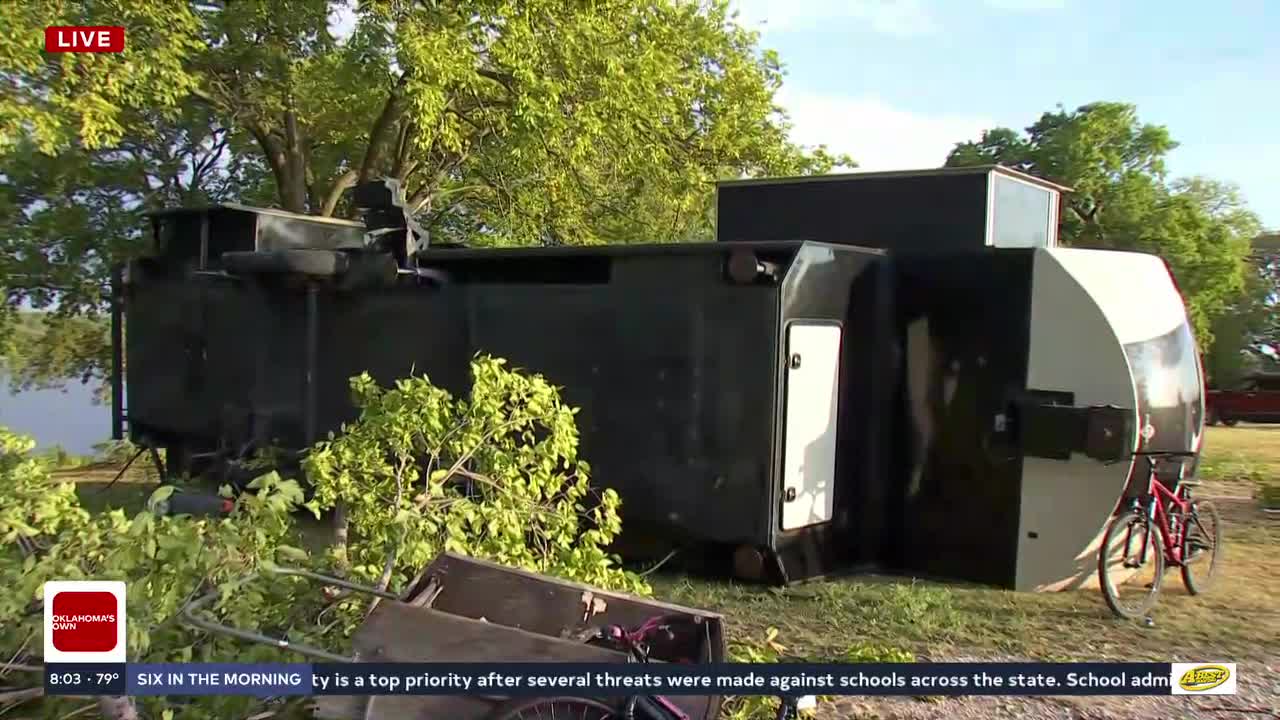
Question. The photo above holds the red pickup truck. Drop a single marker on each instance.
(1257, 400)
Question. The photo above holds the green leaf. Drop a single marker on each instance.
(162, 493)
(291, 553)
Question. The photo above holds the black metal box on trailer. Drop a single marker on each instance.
(936, 210)
(198, 237)
(200, 337)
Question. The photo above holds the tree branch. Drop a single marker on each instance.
(20, 696)
(221, 138)
(503, 79)
(344, 181)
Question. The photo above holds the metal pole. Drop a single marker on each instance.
(189, 611)
(117, 353)
(313, 341)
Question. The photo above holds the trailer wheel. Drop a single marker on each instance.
(1211, 418)
(314, 263)
(1229, 422)
(748, 563)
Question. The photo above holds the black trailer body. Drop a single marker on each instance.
(691, 382)
(788, 403)
(709, 399)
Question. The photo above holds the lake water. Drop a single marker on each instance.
(66, 417)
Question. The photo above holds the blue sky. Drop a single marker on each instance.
(895, 83)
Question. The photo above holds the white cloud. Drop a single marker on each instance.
(890, 17)
(875, 134)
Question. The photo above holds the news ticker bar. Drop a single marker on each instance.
(610, 680)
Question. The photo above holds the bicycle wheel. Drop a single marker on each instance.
(1130, 564)
(1201, 546)
(554, 708)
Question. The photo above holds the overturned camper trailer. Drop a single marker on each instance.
(894, 371)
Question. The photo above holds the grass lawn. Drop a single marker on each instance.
(933, 619)
(1238, 620)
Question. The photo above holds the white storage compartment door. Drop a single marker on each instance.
(809, 429)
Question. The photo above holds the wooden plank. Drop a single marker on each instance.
(400, 633)
(461, 598)
(551, 606)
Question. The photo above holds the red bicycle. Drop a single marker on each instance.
(1158, 529)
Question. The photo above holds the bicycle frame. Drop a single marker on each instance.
(1164, 506)
(636, 643)
(1161, 500)
(1157, 502)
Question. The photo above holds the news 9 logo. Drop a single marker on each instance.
(84, 621)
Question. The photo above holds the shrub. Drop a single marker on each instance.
(46, 535)
(495, 476)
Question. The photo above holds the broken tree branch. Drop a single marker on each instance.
(13, 697)
(344, 181)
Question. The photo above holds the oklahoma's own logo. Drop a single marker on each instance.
(84, 621)
(79, 38)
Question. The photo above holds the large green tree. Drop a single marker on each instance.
(507, 121)
(1248, 334)
(1123, 198)
(57, 99)
(1264, 339)
(66, 217)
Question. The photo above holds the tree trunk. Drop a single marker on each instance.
(294, 194)
(379, 134)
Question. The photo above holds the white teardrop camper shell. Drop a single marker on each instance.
(1111, 329)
